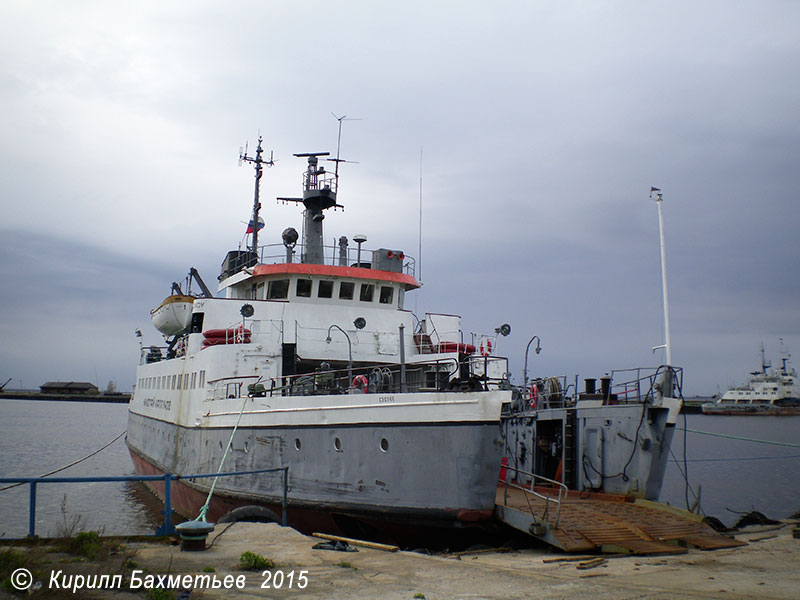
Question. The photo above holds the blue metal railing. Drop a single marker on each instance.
(167, 528)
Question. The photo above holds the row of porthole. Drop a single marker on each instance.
(337, 444)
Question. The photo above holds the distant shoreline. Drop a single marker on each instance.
(108, 398)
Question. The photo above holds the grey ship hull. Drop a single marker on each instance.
(382, 476)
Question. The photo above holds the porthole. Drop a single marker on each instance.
(384, 445)
(297, 443)
(337, 444)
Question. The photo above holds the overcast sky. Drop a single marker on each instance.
(538, 129)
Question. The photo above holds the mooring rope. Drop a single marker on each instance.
(204, 508)
(696, 460)
(740, 438)
(72, 464)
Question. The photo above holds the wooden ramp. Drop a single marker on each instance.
(605, 523)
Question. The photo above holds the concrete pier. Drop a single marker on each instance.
(766, 567)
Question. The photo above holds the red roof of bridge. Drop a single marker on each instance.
(337, 271)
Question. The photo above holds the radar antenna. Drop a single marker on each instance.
(258, 164)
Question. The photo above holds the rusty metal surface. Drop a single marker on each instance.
(607, 524)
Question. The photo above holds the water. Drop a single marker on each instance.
(38, 436)
(737, 476)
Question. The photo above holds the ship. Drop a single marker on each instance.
(390, 425)
(767, 392)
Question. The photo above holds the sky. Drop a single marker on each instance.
(527, 134)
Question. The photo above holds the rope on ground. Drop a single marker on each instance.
(743, 439)
(72, 464)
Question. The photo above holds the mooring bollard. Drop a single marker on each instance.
(193, 534)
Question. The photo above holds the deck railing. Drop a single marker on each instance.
(529, 489)
(638, 384)
(431, 376)
(276, 254)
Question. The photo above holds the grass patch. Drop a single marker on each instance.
(419, 595)
(10, 561)
(160, 594)
(250, 561)
(346, 565)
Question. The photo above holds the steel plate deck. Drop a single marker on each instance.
(608, 524)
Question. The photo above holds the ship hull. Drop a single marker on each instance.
(600, 454)
(751, 409)
(385, 481)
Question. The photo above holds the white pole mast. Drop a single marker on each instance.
(667, 344)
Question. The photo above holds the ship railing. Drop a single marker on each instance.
(153, 353)
(277, 254)
(551, 504)
(640, 384)
(167, 527)
(442, 375)
(236, 386)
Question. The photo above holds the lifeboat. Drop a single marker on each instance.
(173, 315)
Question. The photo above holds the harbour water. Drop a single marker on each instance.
(36, 437)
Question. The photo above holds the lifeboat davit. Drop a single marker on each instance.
(173, 315)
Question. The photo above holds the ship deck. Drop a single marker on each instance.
(606, 523)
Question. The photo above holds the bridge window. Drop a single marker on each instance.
(278, 289)
(325, 289)
(367, 292)
(387, 293)
(346, 290)
(304, 288)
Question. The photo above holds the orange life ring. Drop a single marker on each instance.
(534, 395)
(362, 381)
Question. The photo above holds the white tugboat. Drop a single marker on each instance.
(767, 392)
(388, 423)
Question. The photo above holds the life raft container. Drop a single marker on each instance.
(231, 335)
(456, 347)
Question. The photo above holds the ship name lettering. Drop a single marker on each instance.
(149, 401)
(385, 398)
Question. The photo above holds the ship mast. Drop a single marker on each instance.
(667, 346)
(258, 164)
(319, 194)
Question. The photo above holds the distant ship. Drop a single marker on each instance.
(767, 392)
